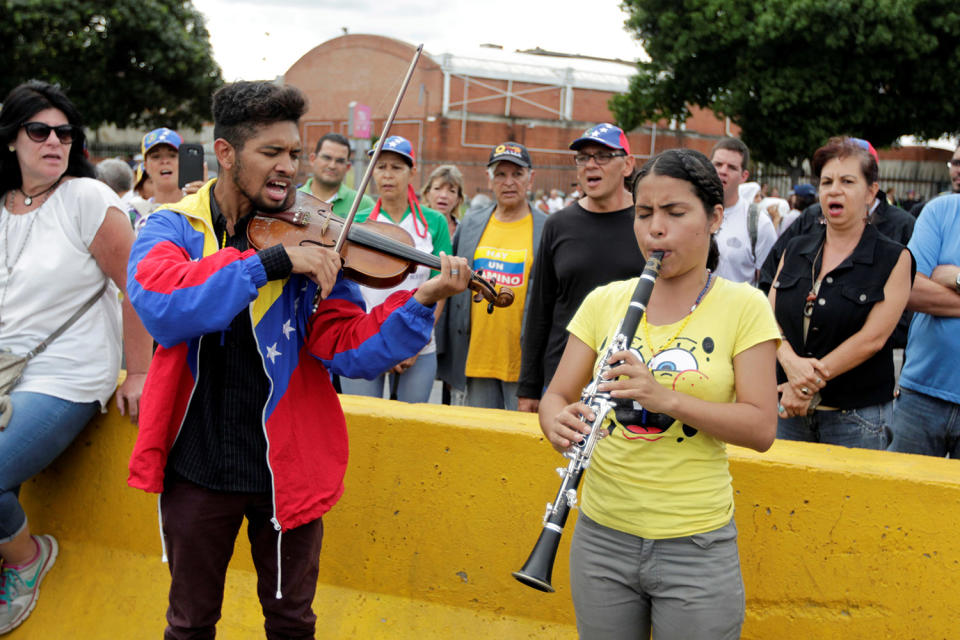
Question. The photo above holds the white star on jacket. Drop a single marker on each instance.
(287, 330)
(272, 353)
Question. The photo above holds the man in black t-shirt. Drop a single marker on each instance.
(584, 245)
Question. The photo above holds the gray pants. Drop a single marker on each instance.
(680, 588)
(491, 393)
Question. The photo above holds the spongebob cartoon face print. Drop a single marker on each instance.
(678, 368)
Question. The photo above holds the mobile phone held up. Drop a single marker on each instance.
(190, 164)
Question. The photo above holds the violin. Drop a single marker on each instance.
(375, 254)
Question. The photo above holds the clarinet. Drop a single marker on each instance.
(536, 572)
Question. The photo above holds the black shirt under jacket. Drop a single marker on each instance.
(846, 296)
(222, 444)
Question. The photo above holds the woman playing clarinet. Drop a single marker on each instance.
(655, 547)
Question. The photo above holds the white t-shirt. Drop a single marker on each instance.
(373, 297)
(738, 262)
(47, 273)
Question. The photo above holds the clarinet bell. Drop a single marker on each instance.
(538, 569)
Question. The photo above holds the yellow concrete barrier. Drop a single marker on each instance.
(442, 503)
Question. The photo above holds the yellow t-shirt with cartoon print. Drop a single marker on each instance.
(655, 477)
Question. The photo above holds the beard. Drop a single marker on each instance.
(257, 202)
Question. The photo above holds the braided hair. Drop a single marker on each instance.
(693, 167)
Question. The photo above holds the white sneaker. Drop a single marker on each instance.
(19, 588)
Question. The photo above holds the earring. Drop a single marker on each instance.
(11, 148)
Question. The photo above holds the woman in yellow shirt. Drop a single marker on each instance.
(655, 545)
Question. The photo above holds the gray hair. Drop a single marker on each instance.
(116, 174)
(492, 168)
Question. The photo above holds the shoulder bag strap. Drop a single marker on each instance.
(66, 325)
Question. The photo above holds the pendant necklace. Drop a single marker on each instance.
(6, 244)
(814, 284)
(28, 199)
(686, 320)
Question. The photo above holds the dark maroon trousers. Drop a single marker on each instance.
(200, 527)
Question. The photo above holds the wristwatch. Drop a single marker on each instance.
(956, 283)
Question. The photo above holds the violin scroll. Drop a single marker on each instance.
(485, 290)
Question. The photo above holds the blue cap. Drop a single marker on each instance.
(398, 145)
(807, 190)
(608, 135)
(160, 136)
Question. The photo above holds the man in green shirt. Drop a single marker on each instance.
(330, 162)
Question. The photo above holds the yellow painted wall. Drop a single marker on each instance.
(442, 503)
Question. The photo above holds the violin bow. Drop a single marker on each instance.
(376, 153)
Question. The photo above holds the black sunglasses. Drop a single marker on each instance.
(39, 132)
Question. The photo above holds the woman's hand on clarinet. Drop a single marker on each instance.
(567, 427)
(637, 384)
(454, 277)
(792, 404)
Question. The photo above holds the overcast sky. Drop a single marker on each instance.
(261, 39)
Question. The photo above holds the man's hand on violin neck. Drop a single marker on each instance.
(454, 277)
(320, 264)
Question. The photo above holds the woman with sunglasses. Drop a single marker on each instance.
(64, 242)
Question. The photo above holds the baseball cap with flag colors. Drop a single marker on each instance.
(398, 145)
(162, 135)
(866, 145)
(608, 135)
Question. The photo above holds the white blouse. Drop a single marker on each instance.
(46, 273)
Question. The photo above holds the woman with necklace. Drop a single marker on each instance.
(837, 296)
(393, 174)
(64, 242)
(655, 546)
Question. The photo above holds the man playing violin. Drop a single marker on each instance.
(239, 418)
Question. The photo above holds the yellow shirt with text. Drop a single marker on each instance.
(503, 256)
(655, 477)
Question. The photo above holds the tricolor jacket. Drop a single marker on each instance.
(183, 287)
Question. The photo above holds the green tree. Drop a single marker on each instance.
(791, 73)
(139, 63)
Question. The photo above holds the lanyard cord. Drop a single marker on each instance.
(415, 211)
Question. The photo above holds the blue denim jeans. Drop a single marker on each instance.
(40, 428)
(926, 425)
(864, 428)
(413, 385)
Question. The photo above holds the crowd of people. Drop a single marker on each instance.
(771, 318)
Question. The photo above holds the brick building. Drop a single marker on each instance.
(458, 107)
